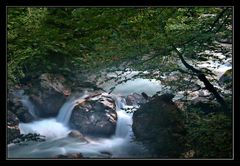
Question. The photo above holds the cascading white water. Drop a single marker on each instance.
(27, 103)
(52, 128)
(124, 122)
(66, 110)
(56, 131)
(49, 128)
(31, 108)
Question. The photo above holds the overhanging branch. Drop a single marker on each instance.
(202, 78)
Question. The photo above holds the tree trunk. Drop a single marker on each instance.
(203, 78)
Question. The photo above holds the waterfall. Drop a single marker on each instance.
(54, 127)
(57, 141)
(65, 112)
(124, 122)
(119, 101)
(26, 103)
(31, 108)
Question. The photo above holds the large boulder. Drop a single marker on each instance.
(159, 125)
(95, 117)
(136, 99)
(49, 94)
(13, 130)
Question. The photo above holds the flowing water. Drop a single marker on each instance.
(26, 103)
(66, 110)
(57, 141)
(56, 130)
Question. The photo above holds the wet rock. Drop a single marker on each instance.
(13, 130)
(95, 117)
(21, 112)
(48, 102)
(70, 156)
(77, 134)
(159, 125)
(23, 138)
(56, 82)
(49, 94)
(23, 115)
(136, 99)
(16, 106)
(106, 153)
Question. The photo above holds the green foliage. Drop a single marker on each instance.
(209, 135)
(22, 23)
(64, 40)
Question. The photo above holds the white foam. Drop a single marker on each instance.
(47, 127)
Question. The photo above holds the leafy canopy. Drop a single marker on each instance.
(63, 40)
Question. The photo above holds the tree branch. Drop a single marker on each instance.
(202, 78)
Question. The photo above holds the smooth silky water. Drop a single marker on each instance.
(56, 130)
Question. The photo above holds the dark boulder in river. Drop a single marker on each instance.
(95, 117)
(159, 125)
